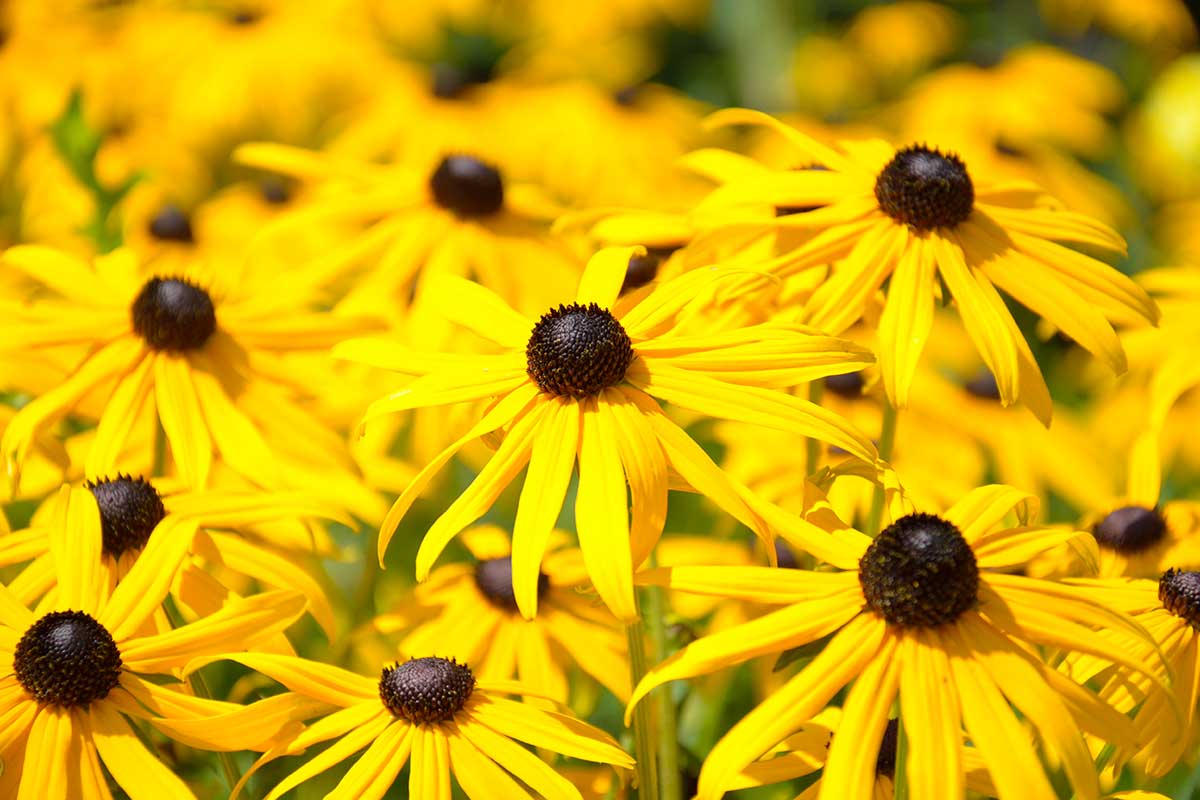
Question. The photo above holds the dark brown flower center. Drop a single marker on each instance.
(885, 762)
(919, 572)
(849, 385)
(426, 690)
(67, 659)
(578, 351)
(1179, 592)
(130, 508)
(1130, 530)
(494, 579)
(174, 314)
(170, 224)
(925, 189)
(983, 386)
(640, 271)
(468, 187)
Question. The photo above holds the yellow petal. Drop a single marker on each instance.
(604, 274)
(121, 411)
(355, 739)
(602, 513)
(932, 721)
(501, 469)
(141, 592)
(75, 542)
(479, 310)
(791, 626)
(373, 774)
(537, 774)
(479, 776)
(788, 707)
(907, 319)
(548, 730)
(550, 467)
(47, 767)
(140, 773)
(850, 770)
(181, 417)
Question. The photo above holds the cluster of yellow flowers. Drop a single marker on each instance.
(300, 297)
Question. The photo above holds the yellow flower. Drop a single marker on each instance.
(204, 357)
(469, 611)
(1169, 610)
(74, 673)
(455, 213)
(432, 713)
(580, 383)
(930, 611)
(910, 216)
(242, 536)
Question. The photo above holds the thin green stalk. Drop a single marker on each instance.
(201, 689)
(887, 439)
(816, 390)
(643, 735)
(669, 786)
(900, 778)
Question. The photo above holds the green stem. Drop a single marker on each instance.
(201, 689)
(643, 735)
(816, 390)
(887, 439)
(900, 778)
(669, 787)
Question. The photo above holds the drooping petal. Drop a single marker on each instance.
(373, 774)
(997, 734)
(479, 776)
(907, 319)
(797, 701)
(504, 466)
(121, 411)
(181, 417)
(850, 770)
(45, 773)
(527, 767)
(932, 720)
(75, 543)
(353, 740)
(551, 463)
(792, 626)
(140, 593)
(602, 513)
(507, 409)
(645, 469)
(141, 774)
(557, 733)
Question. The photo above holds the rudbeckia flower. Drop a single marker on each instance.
(206, 360)
(75, 673)
(469, 611)
(928, 611)
(238, 539)
(433, 714)
(580, 384)
(1169, 610)
(460, 215)
(908, 216)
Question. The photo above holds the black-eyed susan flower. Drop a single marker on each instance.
(928, 611)
(469, 612)
(1169, 610)
(241, 537)
(187, 348)
(458, 214)
(582, 384)
(433, 714)
(77, 671)
(911, 215)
